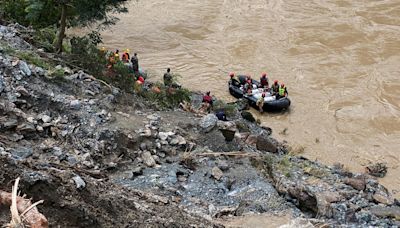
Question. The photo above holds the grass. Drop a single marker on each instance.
(32, 58)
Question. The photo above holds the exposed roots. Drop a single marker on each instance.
(23, 212)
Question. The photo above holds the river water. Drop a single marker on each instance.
(339, 59)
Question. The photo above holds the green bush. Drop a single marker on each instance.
(167, 99)
(32, 58)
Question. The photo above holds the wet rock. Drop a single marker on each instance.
(265, 144)
(384, 212)
(208, 122)
(24, 68)
(79, 182)
(356, 183)
(216, 173)
(248, 116)
(148, 159)
(22, 91)
(75, 104)
(10, 123)
(21, 152)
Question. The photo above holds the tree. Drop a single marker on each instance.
(64, 13)
(85, 12)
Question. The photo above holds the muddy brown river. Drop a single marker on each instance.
(339, 59)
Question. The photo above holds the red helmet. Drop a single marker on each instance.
(263, 95)
(276, 81)
(264, 74)
(231, 74)
(282, 85)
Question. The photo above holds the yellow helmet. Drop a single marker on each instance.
(127, 50)
(103, 48)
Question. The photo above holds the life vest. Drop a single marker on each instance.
(207, 99)
(125, 57)
(282, 91)
(264, 81)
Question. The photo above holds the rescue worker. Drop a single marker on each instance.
(168, 78)
(125, 56)
(116, 55)
(233, 80)
(260, 103)
(282, 92)
(264, 81)
(135, 64)
(207, 102)
(275, 88)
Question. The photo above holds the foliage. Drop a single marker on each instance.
(229, 109)
(167, 98)
(32, 58)
(45, 38)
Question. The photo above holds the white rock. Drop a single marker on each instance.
(46, 118)
(24, 68)
(80, 183)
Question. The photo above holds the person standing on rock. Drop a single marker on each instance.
(168, 78)
(125, 56)
(135, 64)
(260, 103)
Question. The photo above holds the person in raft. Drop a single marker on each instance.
(264, 81)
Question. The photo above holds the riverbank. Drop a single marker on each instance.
(100, 157)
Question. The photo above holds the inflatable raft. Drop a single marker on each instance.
(271, 104)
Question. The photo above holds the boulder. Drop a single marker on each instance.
(148, 159)
(10, 123)
(386, 212)
(251, 140)
(227, 125)
(79, 182)
(324, 200)
(208, 122)
(265, 144)
(24, 68)
(216, 173)
(242, 104)
(383, 198)
(75, 104)
(46, 118)
(22, 91)
(248, 116)
(357, 183)
(21, 152)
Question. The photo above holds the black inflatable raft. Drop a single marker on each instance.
(270, 105)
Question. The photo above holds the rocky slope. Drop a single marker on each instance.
(100, 157)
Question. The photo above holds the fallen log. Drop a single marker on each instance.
(23, 212)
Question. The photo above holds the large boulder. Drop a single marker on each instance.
(266, 144)
(208, 122)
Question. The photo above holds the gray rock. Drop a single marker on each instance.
(75, 104)
(39, 71)
(22, 91)
(10, 123)
(265, 144)
(217, 173)
(26, 128)
(383, 212)
(46, 118)
(223, 165)
(148, 160)
(137, 171)
(21, 152)
(24, 68)
(162, 135)
(79, 182)
(143, 146)
(208, 122)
